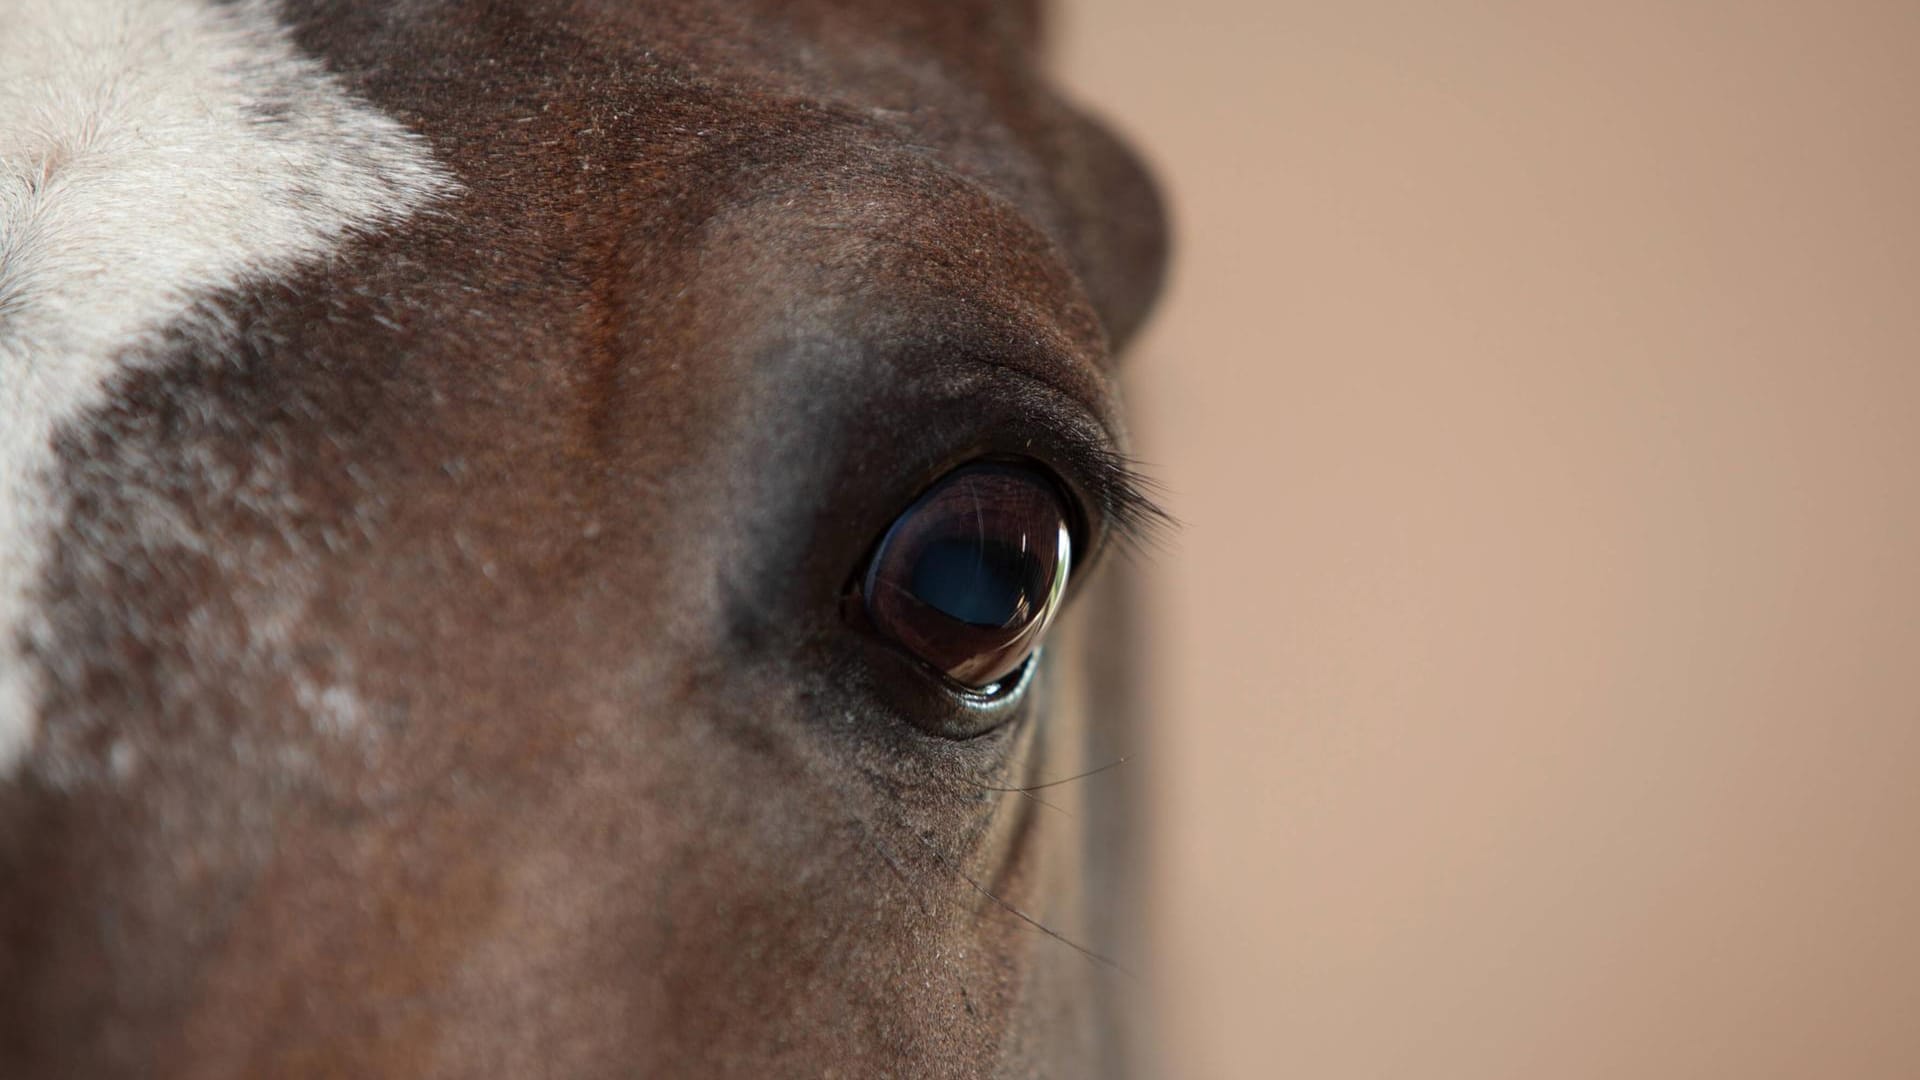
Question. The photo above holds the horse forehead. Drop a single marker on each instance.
(153, 153)
(157, 154)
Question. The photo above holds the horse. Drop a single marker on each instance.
(530, 532)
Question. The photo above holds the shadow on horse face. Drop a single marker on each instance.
(464, 657)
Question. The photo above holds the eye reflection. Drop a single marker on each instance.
(969, 576)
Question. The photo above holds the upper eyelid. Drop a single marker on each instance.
(1039, 390)
(1102, 419)
(1128, 507)
(1128, 511)
(1114, 499)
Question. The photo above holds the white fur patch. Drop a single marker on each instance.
(152, 153)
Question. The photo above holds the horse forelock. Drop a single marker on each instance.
(154, 155)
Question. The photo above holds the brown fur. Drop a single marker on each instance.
(571, 475)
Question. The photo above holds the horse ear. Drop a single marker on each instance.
(1118, 223)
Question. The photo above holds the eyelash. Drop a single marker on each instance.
(1133, 515)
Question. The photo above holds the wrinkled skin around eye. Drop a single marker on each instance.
(971, 574)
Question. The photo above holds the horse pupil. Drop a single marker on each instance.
(979, 582)
(968, 576)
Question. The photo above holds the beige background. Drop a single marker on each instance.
(1540, 664)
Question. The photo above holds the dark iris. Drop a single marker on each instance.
(982, 583)
(969, 576)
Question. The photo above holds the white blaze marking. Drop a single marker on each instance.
(139, 174)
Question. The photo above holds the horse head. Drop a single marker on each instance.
(531, 532)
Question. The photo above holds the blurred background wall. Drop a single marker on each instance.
(1539, 667)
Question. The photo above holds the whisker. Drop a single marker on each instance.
(1056, 783)
(893, 864)
(979, 830)
(1025, 794)
(1056, 935)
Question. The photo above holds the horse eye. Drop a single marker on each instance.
(969, 576)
